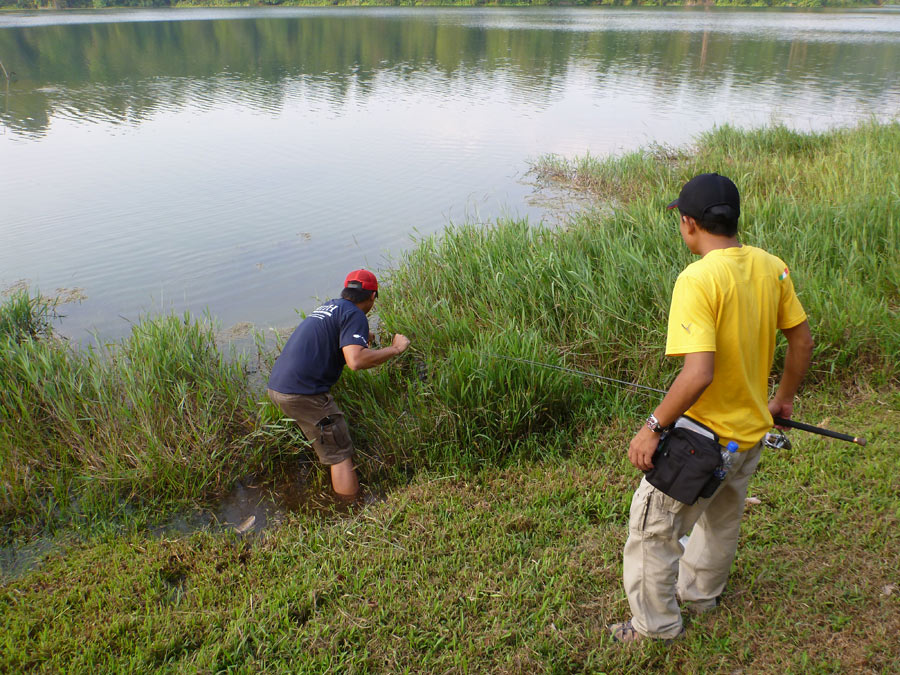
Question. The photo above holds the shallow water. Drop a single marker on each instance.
(252, 506)
(242, 160)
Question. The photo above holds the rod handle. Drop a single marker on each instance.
(783, 422)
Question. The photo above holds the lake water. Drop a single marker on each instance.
(241, 161)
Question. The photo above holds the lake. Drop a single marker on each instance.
(241, 161)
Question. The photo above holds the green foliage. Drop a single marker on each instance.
(595, 295)
(163, 417)
(22, 317)
(826, 203)
(514, 571)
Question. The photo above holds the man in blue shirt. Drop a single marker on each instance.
(312, 360)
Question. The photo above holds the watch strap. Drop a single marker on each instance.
(654, 425)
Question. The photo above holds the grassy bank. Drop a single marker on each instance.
(512, 571)
(595, 295)
(164, 417)
(499, 546)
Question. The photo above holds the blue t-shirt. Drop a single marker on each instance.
(312, 360)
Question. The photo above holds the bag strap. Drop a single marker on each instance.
(685, 422)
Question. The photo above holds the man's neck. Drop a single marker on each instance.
(712, 242)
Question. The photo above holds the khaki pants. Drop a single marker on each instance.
(656, 566)
(322, 423)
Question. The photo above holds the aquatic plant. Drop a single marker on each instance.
(161, 417)
(166, 418)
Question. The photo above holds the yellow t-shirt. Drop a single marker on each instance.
(731, 302)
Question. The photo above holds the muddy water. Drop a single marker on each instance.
(257, 503)
(253, 505)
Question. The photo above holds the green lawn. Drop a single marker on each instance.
(513, 570)
(498, 547)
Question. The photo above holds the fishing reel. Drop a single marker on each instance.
(777, 439)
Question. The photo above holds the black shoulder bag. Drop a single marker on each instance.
(685, 462)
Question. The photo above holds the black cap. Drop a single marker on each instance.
(706, 191)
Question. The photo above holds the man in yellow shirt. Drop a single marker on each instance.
(726, 309)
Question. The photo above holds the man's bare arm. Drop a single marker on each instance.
(796, 362)
(362, 358)
(692, 381)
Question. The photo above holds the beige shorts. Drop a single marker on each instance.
(322, 423)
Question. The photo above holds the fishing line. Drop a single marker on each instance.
(577, 372)
(858, 440)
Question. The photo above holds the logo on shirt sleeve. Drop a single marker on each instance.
(687, 327)
(783, 275)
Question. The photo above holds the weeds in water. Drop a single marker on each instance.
(23, 316)
(165, 417)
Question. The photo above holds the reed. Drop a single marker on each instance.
(595, 295)
(162, 417)
(165, 418)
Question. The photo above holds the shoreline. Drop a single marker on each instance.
(471, 4)
(498, 546)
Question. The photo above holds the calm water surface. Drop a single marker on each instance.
(243, 160)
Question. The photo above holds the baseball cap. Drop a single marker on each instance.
(708, 191)
(362, 279)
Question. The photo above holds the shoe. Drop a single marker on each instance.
(696, 608)
(626, 633)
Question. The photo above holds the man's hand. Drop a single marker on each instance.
(796, 361)
(358, 357)
(400, 343)
(642, 447)
(780, 408)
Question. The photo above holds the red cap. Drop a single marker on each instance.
(362, 279)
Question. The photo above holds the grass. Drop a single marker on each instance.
(595, 295)
(513, 570)
(162, 418)
(499, 547)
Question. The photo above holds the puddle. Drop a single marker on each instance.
(16, 560)
(255, 503)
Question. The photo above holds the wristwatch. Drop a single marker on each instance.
(654, 425)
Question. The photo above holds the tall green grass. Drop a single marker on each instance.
(827, 203)
(162, 417)
(165, 417)
(595, 295)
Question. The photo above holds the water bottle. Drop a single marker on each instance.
(727, 459)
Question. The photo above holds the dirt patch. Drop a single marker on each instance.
(239, 330)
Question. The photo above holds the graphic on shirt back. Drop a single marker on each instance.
(323, 312)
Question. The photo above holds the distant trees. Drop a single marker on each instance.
(100, 4)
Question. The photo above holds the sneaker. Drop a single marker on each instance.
(696, 608)
(626, 633)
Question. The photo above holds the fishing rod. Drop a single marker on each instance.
(780, 421)
(783, 422)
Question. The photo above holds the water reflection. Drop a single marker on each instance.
(126, 72)
(243, 160)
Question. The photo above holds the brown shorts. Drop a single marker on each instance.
(322, 423)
